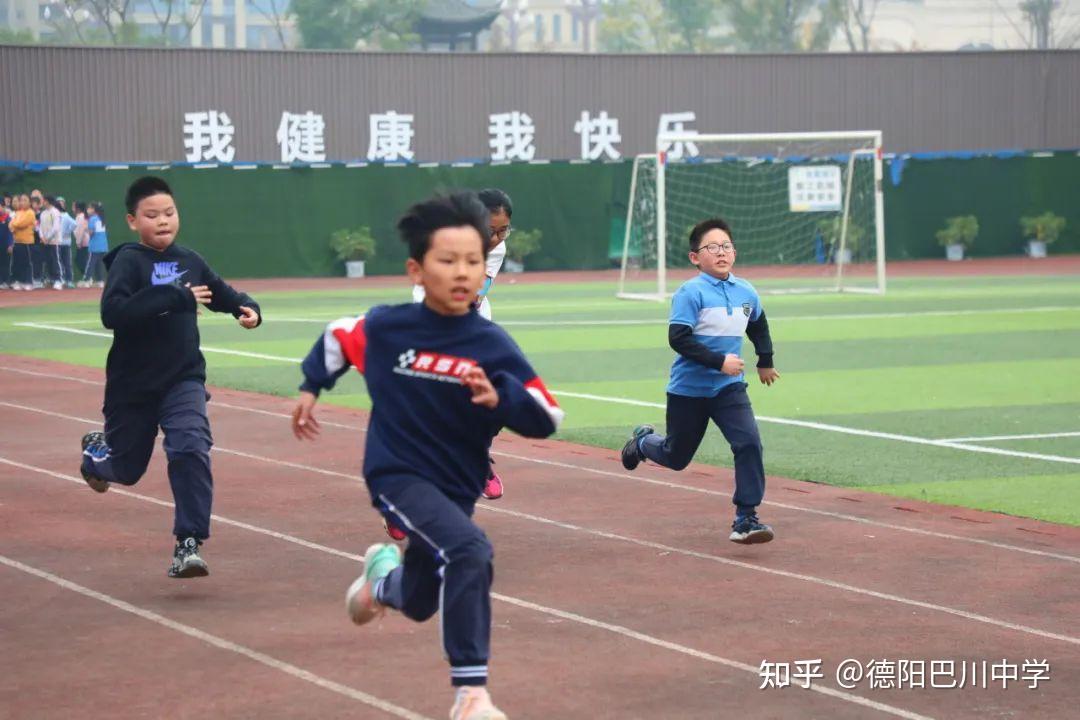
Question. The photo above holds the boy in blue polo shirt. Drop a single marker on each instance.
(709, 315)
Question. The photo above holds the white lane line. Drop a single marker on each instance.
(641, 403)
(809, 318)
(832, 584)
(647, 481)
(204, 348)
(953, 445)
(1033, 436)
(218, 642)
(543, 609)
(651, 321)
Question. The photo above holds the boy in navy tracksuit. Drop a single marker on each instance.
(155, 374)
(709, 315)
(443, 381)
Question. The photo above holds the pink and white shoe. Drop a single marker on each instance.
(474, 703)
(493, 488)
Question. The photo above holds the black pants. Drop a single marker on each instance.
(65, 264)
(54, 263)
(81, 256)
(687, 419)
(22, 264)
(5, 264)
(39, 261)
(95, 268)
(447, 567)
(130, 430)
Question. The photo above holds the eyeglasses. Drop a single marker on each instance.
(502, 233)
(715, 248)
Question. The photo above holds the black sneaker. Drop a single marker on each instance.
(186, 562)
(94, 447)
(747, 530)
(631, 454)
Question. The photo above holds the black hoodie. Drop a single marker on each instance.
(153, 318)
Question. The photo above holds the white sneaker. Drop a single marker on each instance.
(100, 283)
(58, 285)
(16, 286)
(474, 703)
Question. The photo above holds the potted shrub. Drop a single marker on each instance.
(353, 247)
(519, 245)
(831, 229)
(1041, 230)
(959, 233)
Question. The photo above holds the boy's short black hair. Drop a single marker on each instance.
(495, 199)
(457, 209)
(705, 226)
(143, 188)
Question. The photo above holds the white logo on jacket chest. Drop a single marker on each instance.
(432, 365)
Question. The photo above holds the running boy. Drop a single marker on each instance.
(709, 315)
(155, 374)
(443, 381)
(500, 209)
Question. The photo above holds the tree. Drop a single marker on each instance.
(780, 25)
(660, 26)
(93, 22)
(173, 13)
(277, 13)
(16, 37)
(690, 24)
(631, 26)
(855, 18)
(373, 24)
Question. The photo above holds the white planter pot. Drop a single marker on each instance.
(1036, 249)
(954, 252)
(513, 266)
(354, 268)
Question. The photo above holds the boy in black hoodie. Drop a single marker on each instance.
(155, 374)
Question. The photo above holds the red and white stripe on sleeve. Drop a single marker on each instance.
(343, 343)
(545, 399)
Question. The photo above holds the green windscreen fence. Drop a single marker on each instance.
(998, 191)
(268, 222)
(276, 222)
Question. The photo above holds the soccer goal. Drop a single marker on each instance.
(805, 209)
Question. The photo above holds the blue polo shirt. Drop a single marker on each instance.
(718, 311)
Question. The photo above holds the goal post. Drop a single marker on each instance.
(806, 208)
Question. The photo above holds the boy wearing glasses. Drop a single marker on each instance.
(709, 316)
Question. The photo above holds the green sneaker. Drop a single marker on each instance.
(360, 600)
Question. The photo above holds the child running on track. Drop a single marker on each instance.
(709, 316)
(443, 382)
(156, 374)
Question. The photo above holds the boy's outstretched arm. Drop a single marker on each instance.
(340, 346)
(527, 407)
(227, 299)
(758, 332)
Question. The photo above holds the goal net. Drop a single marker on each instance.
(805, 209)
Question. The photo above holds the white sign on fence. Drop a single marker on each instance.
(815, 188)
